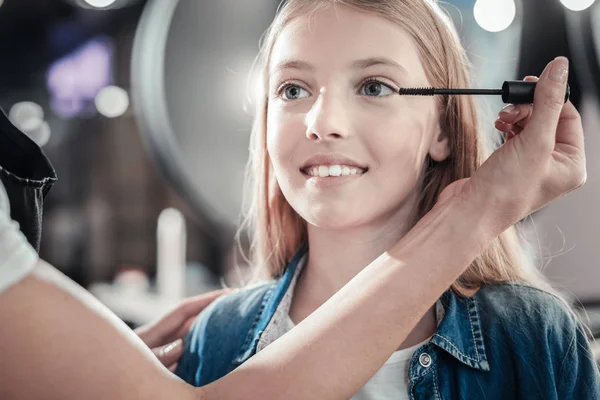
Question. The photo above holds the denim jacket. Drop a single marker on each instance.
(508, 341)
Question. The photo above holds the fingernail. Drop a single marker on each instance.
(173, 346)
(509, 109)
(560, 69)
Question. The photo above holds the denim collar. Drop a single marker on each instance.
(459, 333)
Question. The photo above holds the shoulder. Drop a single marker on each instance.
(516, 301)
(518, 308)
(533, 324)
(220, 332)
(528, 323)
(244, 303)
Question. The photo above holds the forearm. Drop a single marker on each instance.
(81, 350)
(59, 342)
(336, 350)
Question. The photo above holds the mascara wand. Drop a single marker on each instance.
(515, 92)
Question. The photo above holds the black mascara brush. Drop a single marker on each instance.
(514, 92)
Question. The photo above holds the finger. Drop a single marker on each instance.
(510, 131)
(569, 130)
(192, 306)
(170, 353)
(520, 117)
(162, 331)
(502, 126)
(173, 367)
(185, 328)
(510, 113)
(520, 113)
(548, 103)
(516, 130)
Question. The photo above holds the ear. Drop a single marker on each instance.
(439, 149)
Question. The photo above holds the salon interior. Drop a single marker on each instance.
(141, 108)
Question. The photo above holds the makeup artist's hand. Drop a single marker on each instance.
(165, 336)
(513, 118)
(542, 159)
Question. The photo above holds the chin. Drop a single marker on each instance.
(332, 219)
(327, 216)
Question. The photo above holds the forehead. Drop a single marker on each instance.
(337, 36)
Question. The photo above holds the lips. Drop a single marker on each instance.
(329, 160)
(332, 171)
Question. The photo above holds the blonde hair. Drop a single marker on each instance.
(277, 231)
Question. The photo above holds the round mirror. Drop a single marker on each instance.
(191, 61)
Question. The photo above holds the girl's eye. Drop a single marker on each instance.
(372, 88)
(376, 88)
(292, 92)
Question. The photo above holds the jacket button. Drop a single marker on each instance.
(425, 360)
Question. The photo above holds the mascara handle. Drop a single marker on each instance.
(521, 92)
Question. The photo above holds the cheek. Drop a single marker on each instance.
(283, 134)
(274, 136)
(397, 143)
(282, 138)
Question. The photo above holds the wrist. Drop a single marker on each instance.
(452, 234)
(495, 209)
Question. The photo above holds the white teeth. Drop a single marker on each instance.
(333, 170)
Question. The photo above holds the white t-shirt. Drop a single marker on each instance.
(17, 257)
(390, 382)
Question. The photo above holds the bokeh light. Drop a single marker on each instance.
(100, 3)
(112, 101)
(495, 15)
(577, 5)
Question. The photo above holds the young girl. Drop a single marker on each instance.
(342, 168)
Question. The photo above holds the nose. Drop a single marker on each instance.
(327, 119)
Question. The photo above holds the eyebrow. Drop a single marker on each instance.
(357, 65)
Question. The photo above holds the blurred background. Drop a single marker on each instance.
(140, 106)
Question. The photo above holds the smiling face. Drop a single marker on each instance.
(346, 150)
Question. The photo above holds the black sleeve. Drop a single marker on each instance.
(27, 176)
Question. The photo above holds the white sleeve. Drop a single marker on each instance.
(17, 256)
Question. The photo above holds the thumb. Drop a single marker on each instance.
(548, 103)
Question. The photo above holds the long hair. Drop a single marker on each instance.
(276, 230)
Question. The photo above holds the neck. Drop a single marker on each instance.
(335, 257)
